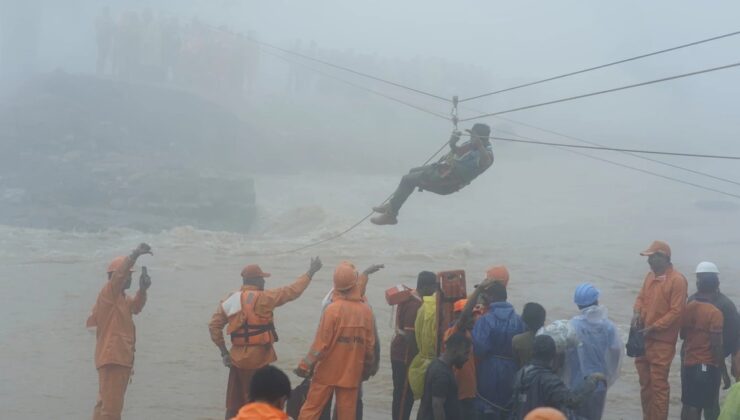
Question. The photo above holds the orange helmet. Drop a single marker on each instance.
(500, 273)
(545, 413)
(116, 263)
(459, 305)
(345, 277)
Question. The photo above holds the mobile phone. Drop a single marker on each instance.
(143, 270)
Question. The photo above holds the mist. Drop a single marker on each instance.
(180, 124)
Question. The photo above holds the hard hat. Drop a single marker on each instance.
(459, 305)
(586, 294)
(707, 267)
(545, 413)
(500, 273)
(253, 271)
(657, 247)
(345, 277)
(116, 263)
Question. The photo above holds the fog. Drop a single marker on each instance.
(164, 121)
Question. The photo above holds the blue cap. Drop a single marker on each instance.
(586, 294)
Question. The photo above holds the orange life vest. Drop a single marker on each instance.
(255, 330)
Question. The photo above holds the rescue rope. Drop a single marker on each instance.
(613, 63)
(601, 92)
(359, 222)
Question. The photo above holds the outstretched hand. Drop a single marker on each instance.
(142, 249)
(316, 265)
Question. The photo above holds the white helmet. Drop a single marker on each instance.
(707, 267)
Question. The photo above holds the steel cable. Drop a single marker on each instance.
(613, 63)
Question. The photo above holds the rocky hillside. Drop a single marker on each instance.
(78, 152)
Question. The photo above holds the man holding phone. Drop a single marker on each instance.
(112, 317)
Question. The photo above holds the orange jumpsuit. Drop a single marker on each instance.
(247, 359)
(467, 384)
(341, 355)
(660, 303)
(260, 411)
(112, 316)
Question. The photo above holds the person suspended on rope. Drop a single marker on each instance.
(450, 174)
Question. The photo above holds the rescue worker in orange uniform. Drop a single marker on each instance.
(248, 318)
(342, 355)
(112, 317)
(657, 312)
(465, 376)
(270, 390)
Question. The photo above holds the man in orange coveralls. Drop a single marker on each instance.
(342, 355)
(658, 310)
(248, 318)
(467, 384)
(270, 390)
(112, 317)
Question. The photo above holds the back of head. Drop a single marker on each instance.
(497, 292)
(534, 316)
(457, 341)
(707, 282)
(543, 348)
(426, 282)
(270, 385)
(345, 277)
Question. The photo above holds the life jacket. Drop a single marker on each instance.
(254, 330)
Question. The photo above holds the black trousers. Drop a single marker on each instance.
(426, 177)
(403, 402)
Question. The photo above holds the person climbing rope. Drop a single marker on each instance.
(450, 174)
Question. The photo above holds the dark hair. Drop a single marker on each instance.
(707, 282)
(533, 315)
(497, 292)
(426, 278)
(457, 340)
(543, 348)
(269, 384)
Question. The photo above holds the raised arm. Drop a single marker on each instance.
(272, 298)
(120, 276)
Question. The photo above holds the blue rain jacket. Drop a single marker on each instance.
(496, 366)
(599, 348)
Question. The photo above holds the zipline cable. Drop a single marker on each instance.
(614, 149)
(347, 69)
(601, 92)
(613, 63)
(593, 147)
(582, 140)
(373, 91)
(443, 146)
(634, 168)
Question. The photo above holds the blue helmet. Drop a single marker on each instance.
(586, 294)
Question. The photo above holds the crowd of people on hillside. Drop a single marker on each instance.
(488, 363)
(148, 47)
